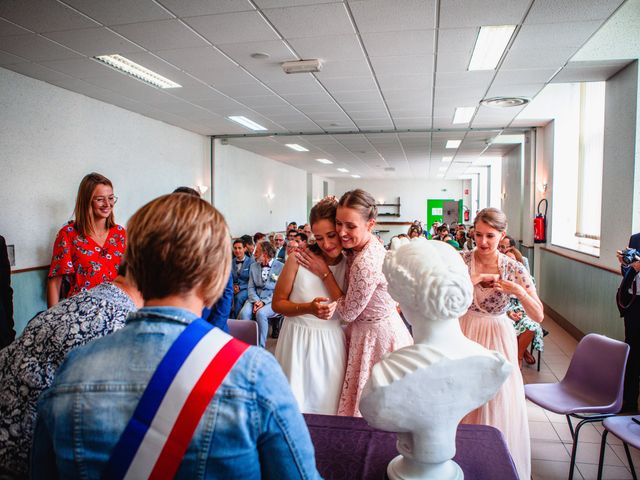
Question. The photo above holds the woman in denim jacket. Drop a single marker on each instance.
(178, 255)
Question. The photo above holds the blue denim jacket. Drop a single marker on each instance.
(251, 429)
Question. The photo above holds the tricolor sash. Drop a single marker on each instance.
(154, 441)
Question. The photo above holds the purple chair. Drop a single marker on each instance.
(592, 388)
(626, 429)
(245, 330)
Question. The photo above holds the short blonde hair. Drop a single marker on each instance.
(493, 217)
(176, 243)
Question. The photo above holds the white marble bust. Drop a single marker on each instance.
(423, 391)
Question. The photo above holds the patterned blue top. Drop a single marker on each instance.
(28, 365)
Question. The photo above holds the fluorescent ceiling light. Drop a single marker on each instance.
(490, 45)
(324, 160)
(343, 170)
(245, 122)
(453, 143)
(463, 114)
(508, 139)
(124, 65)
(446, 159)
(296, 147)
(355, 176)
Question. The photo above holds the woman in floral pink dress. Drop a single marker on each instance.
(496, 278)
(374, 325)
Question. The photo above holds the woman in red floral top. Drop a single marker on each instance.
(89, 249)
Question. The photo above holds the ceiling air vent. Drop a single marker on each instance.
(389, 169)
(502, 102)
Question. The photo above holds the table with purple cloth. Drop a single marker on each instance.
(348, 448)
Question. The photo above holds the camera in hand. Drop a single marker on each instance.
(629, 255)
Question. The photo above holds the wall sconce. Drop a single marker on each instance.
(503, 195)
(542, 187)
(201, 189)
(270, 196)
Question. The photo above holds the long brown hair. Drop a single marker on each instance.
(325, 209)
(83, 212)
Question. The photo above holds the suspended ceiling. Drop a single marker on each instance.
(389, 65)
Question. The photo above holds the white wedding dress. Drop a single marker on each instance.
(312, 352)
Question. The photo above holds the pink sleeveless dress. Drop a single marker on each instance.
(486, 322)
(374, 325)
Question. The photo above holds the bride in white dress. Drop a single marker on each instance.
(311, 348)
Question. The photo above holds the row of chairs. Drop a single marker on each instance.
(591, 391)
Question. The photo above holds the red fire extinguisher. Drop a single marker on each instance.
(540, 223)
(465, 215)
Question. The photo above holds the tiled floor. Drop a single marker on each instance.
(550, 437)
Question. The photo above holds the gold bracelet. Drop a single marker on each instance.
(325, 275)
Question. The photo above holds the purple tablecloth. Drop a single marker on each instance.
(348, 448)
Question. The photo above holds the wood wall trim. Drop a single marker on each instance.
(574, 331)
(579, 260)
(30, 269)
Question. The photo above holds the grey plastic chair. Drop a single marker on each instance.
(626, 429)
(592, 388)
(245, 330)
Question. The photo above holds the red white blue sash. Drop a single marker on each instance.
(188, 376)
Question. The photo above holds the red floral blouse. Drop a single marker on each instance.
(86, 263)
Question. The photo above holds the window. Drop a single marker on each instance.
(577, 166)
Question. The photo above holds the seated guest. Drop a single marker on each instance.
(88, 250)
(249, 246)
(443, 231)
(302, 240)
(89, 421)
(279, 245)
(291, 234)
(240, 271)
(263, 275)
(292, 246)
(292, 226)
(7, 333)
(306, 229)
(449, 239)
(415, 230)
(27, 366)
(258, 236)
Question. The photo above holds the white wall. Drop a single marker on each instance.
(242, 181)
(413, 197)
(512, 165)
(50, 138)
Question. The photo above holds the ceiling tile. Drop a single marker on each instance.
(300, 85)
(288, 3)
(8, 59)
(405, 82)
(389, 44)
(238, 89)
(357, 97)
(335, 47)
(36, 48)
(194, 8)
(552, 11)
(94, 41)
(522, 90)
(462, 13)
(241, 52)
(239, 27)
(307, 98)
(161, 35)
(8, 28)
(347, 68)
(262, 101)
(413, 65)
(531, 58)
(346, 84)
(206, 63)
(43, 15)
(116, 12)
(516, 77)
(477, 79)
(319, 20)
(82, 68)
(399, 15)
(555, 35)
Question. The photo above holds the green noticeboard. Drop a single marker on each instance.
(441, 210)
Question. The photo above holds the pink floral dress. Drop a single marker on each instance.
(486, 322)
(374, 326)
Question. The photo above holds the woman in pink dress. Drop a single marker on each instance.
(496, 278)
(374, 326)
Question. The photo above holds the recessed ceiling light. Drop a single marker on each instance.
(446, 159)
(343, 170)
(324, 160)
(453, 143)
(296, 147)
(463, 114)
(490, 45)
(124, 65)
(502, 102)
(245, 122)
(355, 176)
